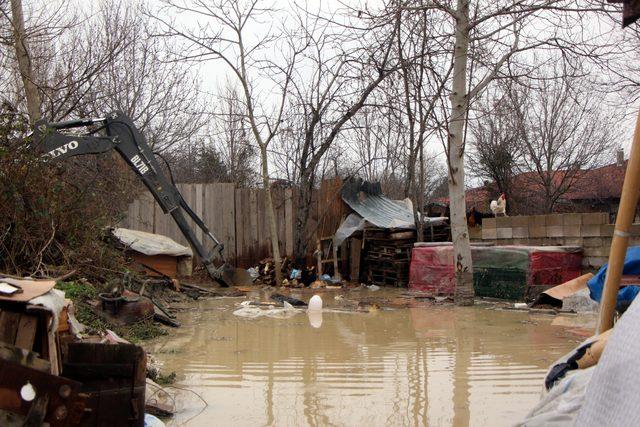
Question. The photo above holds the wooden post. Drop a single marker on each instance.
(319, 256)
(336, 269)
(620, 242)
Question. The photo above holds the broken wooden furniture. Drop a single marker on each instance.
(113, 378)
(31, 392)
(30, 396)
(29, 326)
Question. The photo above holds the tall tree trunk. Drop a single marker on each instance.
(271, 216)
(24, 62)
(459, 103)
(302, 215)
(420, 195)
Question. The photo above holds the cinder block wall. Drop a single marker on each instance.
(591, 231)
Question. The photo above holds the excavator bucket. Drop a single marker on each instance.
(227, 275)
(236, 276)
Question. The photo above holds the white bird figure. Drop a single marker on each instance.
(499, 207)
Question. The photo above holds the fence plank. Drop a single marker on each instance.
(228, 220)
(243, 231)
(237, 217)
(213, 213)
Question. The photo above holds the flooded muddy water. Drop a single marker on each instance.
(420, 365)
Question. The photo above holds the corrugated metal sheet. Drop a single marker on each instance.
(369, 202)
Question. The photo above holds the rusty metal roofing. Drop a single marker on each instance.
(368, 201)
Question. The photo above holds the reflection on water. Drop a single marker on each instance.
(416, 366)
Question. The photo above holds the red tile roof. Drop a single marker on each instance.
(599, 184)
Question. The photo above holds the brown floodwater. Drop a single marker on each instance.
(424, 364)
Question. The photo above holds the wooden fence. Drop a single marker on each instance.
(236, 216)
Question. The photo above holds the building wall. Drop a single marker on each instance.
(591, 231)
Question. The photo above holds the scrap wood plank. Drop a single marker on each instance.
(240, 229)
(24, 357)
(9, 326)
(229, 220)
(356, 250)
(26, 334)
(54, 390)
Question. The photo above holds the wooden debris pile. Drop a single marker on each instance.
(267, 274)
(387, 256)
(267, 271)
(387, 253)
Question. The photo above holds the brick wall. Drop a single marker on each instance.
(591, 231)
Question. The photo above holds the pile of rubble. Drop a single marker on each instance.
(265, 274)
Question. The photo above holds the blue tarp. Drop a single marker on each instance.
(627, 293)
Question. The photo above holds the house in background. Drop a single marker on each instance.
(594, 190)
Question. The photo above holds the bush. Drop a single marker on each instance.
(53, 215)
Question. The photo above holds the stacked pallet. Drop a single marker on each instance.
(387, 256)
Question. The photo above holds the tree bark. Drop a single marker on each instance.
(464, 293)
(24, 62)
(420, 195)
(302, 216)
(271, 216)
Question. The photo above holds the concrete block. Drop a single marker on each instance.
(606, 230)
(592, 242)
(553, 241)
(520, 232)
(554, 219)
(594, 262)
(592, 230)
(488, 223)
(555, 231)
(537, 241)
(537, 220)
(573, 241)
(595, 218)
(520, 221)
(489, 233)
(524, 242)
(635, 230)
(503, 222)
(537, 231)
(475, 233)
(572, 219)
(504, 233)
(571, 230)
(600, 251)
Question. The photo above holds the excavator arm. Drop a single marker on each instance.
(122, 136)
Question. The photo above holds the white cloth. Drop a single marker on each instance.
(149, 243)
(52, 301)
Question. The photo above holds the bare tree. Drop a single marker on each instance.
(492, 35)
(231, 135)
(24, 61)
(347, 64)
(133, 73)
(222, 34)
(197, 161)
(496, 142)
(565, 128)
